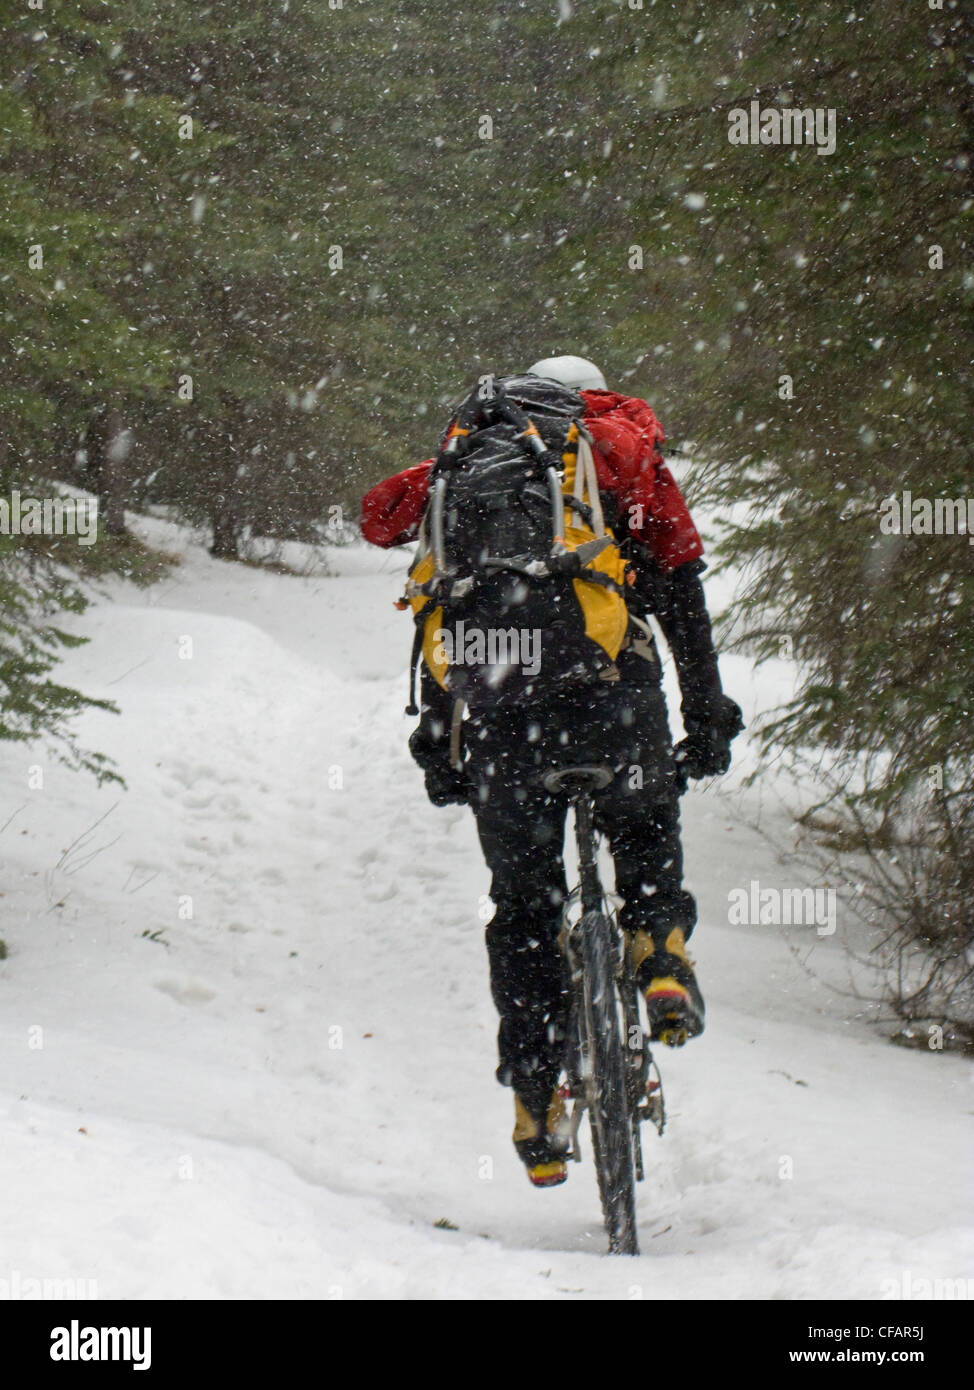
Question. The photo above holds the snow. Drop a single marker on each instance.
(281, 1094)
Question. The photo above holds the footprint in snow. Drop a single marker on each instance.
(271, 876)
(185, 991)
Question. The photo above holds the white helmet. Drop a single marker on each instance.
(576, 372)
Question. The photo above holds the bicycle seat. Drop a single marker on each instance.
(574, 781)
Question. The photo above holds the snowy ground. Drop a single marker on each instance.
(247, 1042)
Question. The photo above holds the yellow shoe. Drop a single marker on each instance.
(549, 1174)
(664, 971)
(541, 1140)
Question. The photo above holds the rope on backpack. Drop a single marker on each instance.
(414, 660)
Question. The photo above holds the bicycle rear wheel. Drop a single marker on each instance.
(602, 1045)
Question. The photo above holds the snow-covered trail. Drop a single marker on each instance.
(247, 1041)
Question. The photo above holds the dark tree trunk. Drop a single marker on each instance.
(224, 545)
(223, 517)
(109, 445)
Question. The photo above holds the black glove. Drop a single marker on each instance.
(445, 785)
(705, 752)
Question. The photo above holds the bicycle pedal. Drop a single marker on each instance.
(673, 1035)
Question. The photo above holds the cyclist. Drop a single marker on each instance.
(622, 722)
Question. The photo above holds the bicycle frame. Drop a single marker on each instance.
(646, 1086)
(640, 1076)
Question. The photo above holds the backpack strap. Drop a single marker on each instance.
(456, 729)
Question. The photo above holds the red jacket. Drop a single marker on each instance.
(628, 465)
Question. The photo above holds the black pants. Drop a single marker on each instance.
(522, 832)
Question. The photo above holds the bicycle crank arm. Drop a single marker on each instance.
(578, 1110)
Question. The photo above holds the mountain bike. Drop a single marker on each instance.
(609, 1064)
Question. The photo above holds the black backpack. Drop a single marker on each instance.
(518, 586)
